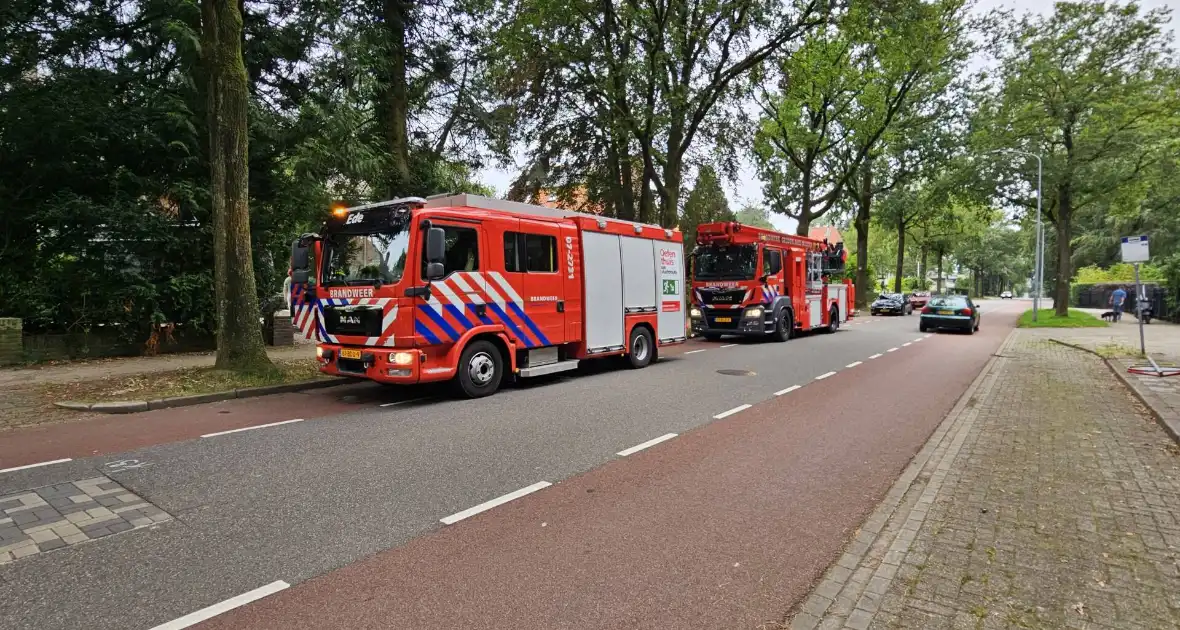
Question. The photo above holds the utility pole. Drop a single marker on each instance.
(1039, 255)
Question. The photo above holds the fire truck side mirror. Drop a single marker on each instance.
(436, 251)
(300, 256)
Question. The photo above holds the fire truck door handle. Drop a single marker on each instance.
(560, 306)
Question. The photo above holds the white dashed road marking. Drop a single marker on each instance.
(194, 618)
(726, 414)
(261, 426)
(907, 344)
(729, 345)
(892, 350)
(483, 507)
(853, 364)
(647, 444)
(823, 376)
(405, 402)
(37, 465)
(787, 390)
(875, 356)
(693, 351)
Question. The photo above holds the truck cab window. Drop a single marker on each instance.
(540, 253)
(772, 259)
(462, 252)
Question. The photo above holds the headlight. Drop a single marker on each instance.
(319, 352)
(754, 312)
(694, 312)
(403, 358)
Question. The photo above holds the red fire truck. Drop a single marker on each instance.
(472, 289)
(749, 281)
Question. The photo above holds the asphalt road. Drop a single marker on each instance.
(723, 526)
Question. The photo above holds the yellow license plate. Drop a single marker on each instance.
(946, 312)
(347, 353)
(723, 320)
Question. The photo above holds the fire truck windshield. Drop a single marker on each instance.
(355, 259)
(725, 262)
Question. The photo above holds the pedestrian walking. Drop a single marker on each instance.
(1117, 297)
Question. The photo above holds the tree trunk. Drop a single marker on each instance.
(239, 334)
(1064, 226)
(864, 202)
(900, 254)
(394, 95)
(938, 261)
(670, 208)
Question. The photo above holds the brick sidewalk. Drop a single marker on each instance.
(1049, 498)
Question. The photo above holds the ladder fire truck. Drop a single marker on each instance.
(472, 289)
(750, 281)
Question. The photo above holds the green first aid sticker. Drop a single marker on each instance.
(670, 287)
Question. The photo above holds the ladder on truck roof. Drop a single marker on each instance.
(504, 205)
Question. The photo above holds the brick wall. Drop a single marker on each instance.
(11, 349)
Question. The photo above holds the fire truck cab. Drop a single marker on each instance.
(472, 289)
(749, 281)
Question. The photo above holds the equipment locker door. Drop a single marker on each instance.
(670, 261)
(603, 278)
(542, 281)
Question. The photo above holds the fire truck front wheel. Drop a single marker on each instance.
(783, 326)
(480, 370)
(642, 348)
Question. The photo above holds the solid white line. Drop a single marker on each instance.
(693, 351)
(483, 507)
(853, 364)
(892, 350)
(875, 356)
(406, 402)
(787, 390)
(194, 618)
(726, 414)
(908, 343)
(56, 461)
(728, 345)
(261, 426)
(823, 376)
(917, 340)
(647, 444)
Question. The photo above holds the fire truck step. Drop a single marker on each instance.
(550, 368)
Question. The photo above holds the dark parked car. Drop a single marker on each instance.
(950, 312)
(895, 303)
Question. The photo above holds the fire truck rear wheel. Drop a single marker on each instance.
(642, 348)
(480, 370)
(834, 320)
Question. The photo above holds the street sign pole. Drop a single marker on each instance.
(1139, 312)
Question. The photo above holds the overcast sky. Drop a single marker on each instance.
(747, 188)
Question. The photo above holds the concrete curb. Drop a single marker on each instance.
(133, 406)
(1169, 421)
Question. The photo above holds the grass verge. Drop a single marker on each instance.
(202, 380)
(30, 405)
(1047, 318)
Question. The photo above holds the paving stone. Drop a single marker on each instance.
(1055, 488)
(99, 512)
(24, 518)
(21, 552)
(98, 532)
(50, 545)
(75, 539)
(43, 536)
(120, 526)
